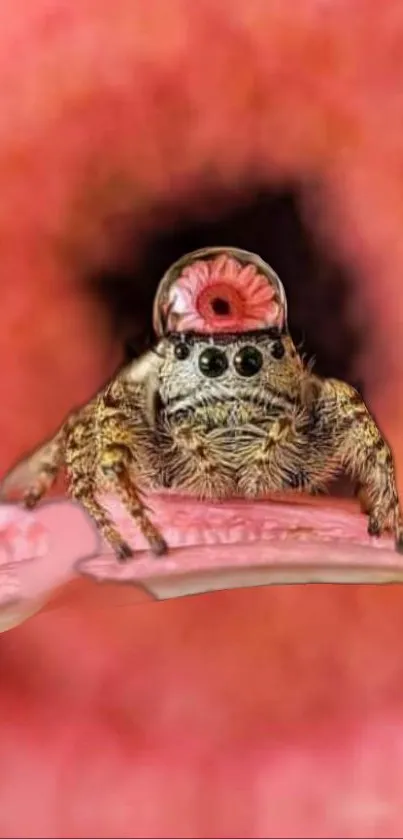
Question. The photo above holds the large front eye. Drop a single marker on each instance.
(248, 361)
(213, 362)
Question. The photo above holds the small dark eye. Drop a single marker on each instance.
(182, 351)
(277, 350)
(213, 362)
(248, 361)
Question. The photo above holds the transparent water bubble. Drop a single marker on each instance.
(219, 289)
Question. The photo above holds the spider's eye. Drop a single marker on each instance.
(213, 362)
(181, 351)
(248, 361)
(277, 350)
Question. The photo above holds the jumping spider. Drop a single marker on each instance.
(222, 406)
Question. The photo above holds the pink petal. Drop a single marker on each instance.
(193, 321)
(252, 322)
(260, 305)
(231, 268)
(218, 324)
(190, 284)
(197, 272)
(10, 588)
(246, 275)
(181, 290)
(181, 301)
(261, 302)
(102, 567)
(23, 537)
(258, 289)
(217, 265)
(224, 268)
(275, 315)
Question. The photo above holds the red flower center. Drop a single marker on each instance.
(220, 301)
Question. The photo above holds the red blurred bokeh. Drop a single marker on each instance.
(273, 712)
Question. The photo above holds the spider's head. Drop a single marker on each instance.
(222, 316)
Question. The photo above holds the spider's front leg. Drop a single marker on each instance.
(361, 495)
(368, 459)
(115, 442)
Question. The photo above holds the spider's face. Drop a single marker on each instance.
(227, 366)
(222, 317)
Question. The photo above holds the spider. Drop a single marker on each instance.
(221, 406)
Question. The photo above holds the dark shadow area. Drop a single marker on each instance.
(267, 222)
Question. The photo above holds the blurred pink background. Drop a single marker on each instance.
(274, 712)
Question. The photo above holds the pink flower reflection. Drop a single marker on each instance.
(221, 295)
